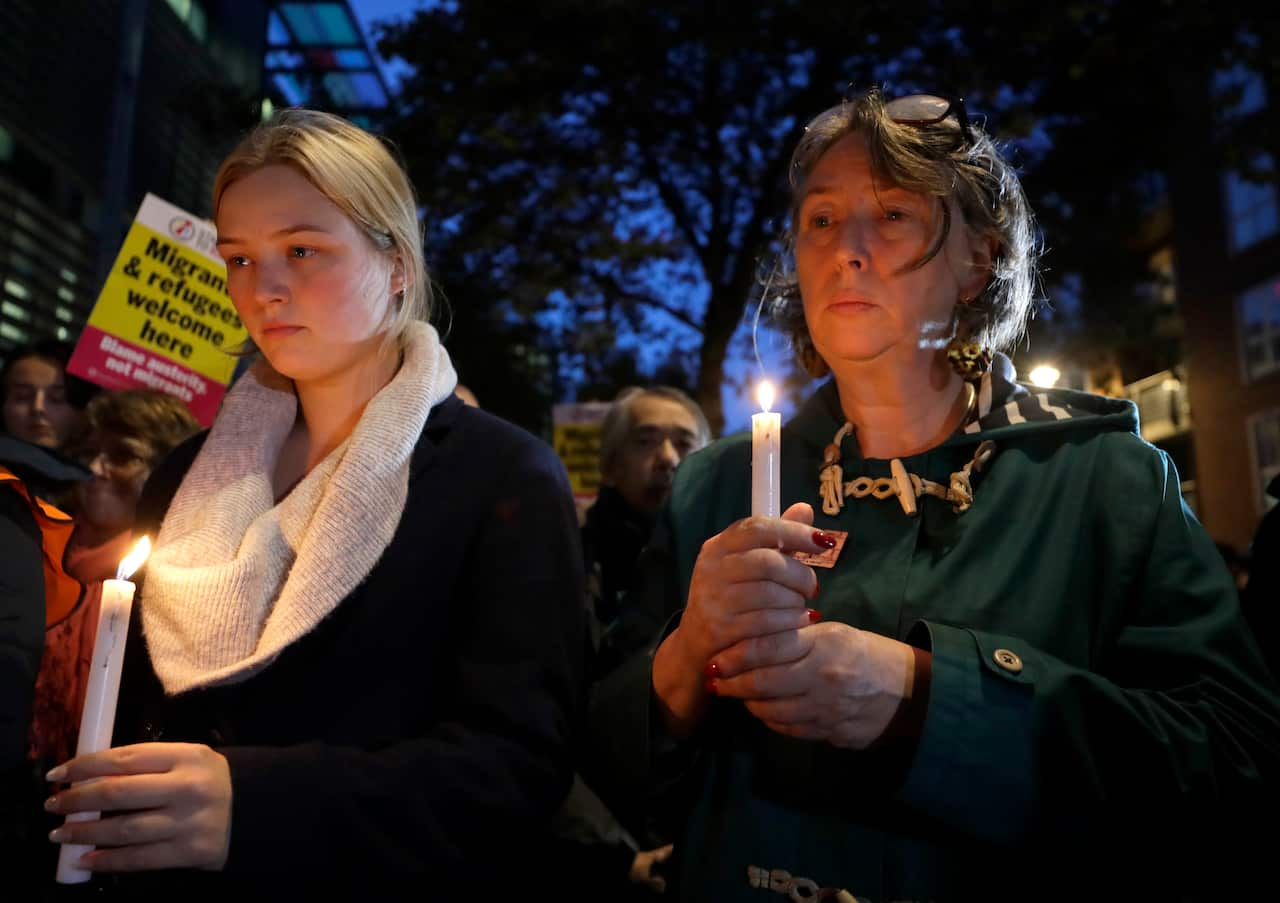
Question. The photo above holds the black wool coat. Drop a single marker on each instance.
(418, 739)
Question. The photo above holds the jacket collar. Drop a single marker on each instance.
(1008, 409)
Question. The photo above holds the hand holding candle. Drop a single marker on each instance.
(766, 457)
(99, 715)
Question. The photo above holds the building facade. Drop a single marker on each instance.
(1226, 242)
(103, 101)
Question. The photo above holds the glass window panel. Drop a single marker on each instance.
(283, 59)
(1251, 206)
(277, 34)
(353, 59)
(1259, 324)
(292, 90)
(12, 333)
(298, 17)
(370, 89)
(339, 86)
(336, 23)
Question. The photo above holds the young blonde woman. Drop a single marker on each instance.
(361, 625)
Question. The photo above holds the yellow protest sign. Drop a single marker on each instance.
(576, 431)
(164, 319)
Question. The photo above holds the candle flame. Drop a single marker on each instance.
(134, 559)
(764, 394)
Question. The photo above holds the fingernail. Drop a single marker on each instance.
(51, 804)
(712, 670)
(817, 588)
(56, 774)
(814, 614)
(58, 835)
(711, 685)
(826, 540)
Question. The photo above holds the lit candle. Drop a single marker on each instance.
(99, 715)
(766, 458)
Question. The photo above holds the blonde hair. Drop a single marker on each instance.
(358, 173)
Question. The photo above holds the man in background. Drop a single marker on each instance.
(646, 434)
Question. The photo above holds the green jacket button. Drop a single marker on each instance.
(1008, 660)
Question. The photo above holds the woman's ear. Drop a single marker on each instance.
(982, 255)
(397, 275)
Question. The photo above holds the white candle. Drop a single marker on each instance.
(99, 715)
(766, 457)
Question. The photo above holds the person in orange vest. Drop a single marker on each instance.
(34, 535)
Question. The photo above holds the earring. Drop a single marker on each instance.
(968, 358)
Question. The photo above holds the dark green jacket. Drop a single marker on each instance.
(1117, 761)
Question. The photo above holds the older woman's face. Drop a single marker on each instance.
(855, 239)
(120, 465)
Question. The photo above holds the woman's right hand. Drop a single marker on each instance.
(745, 585)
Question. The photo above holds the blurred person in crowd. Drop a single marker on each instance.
(986, 645)
(41, 414)
(130, 432)
(22, 613)
(646, 433)
(43, 417)
(355, 663)
(43, 405)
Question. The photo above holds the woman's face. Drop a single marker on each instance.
(120, 466)
(310, 287)
(35, 403)
(855, 237)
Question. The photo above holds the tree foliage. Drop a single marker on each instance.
(612, 175)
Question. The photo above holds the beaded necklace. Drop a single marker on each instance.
(907, 487)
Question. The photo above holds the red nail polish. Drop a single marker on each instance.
(826, 540)
(817, 588)
(814, 614)
(711, 670)
(711, 685)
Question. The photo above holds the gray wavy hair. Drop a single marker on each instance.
(619, 419)
(935, 161)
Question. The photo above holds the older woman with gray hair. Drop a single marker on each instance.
(987, 649)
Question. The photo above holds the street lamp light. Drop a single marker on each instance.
(1045, 376)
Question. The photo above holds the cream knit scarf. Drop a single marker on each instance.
(235, 578)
